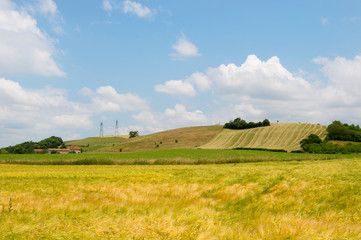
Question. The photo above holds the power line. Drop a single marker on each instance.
(101, 133)
(116, 128)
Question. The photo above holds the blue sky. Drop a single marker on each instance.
(66, 66)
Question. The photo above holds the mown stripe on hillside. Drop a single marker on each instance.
(285, 136)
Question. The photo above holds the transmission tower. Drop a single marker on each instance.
(116, 128)
(101, 133)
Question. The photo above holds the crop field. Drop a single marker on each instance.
(285, 136)
(166, 156)
(265, 200)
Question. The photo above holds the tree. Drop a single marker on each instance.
(312, 138)
(266, 122)
(19, 150)
(51, 142)
(3, 151)
(63, 146)
(133, 134)
(238, 123)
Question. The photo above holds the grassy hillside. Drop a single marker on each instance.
(94, 143)
(285, 136)
(190, 137)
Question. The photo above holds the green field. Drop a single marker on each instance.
(285, 136)
(266, 200)
(166, 156)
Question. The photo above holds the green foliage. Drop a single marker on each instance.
(63, 146)
(3, 151)
(51, 142)
(133, 134)
(120, 150)
(313, 144)
(238, 123)
(19, 150)
(312, 138)
(343, 132)
(28, 147)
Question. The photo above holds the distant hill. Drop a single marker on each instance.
(190, 137)
(92, 144)
(285, 136)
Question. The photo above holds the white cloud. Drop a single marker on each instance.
(48, 7)
(171, 118)
(137, 9)
(23, 47)
(73, 120)
(343, 73)
(176, 87)
(324, 20)
(200, 80)
(30, 114)
(107, 6)
(184, 48)
(185, 88)
(107, 99)
(353, 19)
(258, 79)
(258, 89)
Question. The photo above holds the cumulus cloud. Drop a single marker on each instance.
(31, 114)
(23, 47)
(171, 118)
(258, 89)
(186, 87)
(176, 87)
(107, 99)
(38, 113)
(184, 48)
(342, 73)
(137, 9)
(258, 79)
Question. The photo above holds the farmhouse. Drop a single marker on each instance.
(74, 149)
(71, 149)
(38, 151)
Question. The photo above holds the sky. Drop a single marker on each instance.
(66, 66)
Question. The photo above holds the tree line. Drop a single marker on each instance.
(28, 147)
(239, 123)
(335, 131)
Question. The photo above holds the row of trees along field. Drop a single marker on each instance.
(28, 147)
(238, 123)
(335, 131)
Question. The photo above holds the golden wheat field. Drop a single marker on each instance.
(267, 200)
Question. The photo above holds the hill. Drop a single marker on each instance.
(92, 144)
(190, 137)
(285, 136)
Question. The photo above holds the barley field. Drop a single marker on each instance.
(266, 200)
(285, 136)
